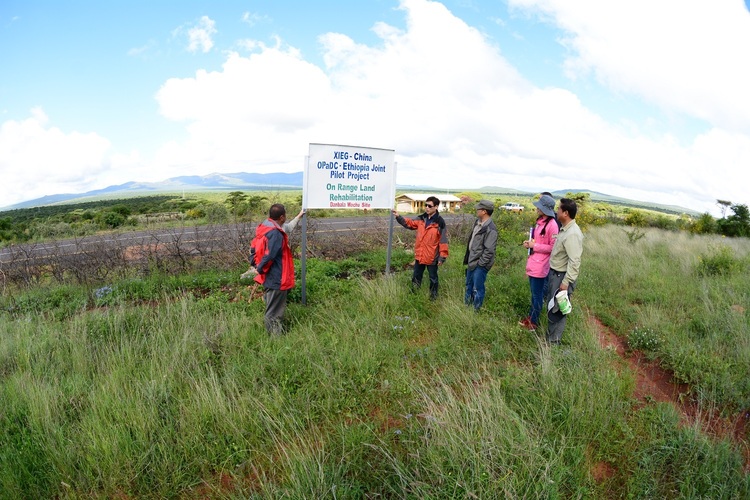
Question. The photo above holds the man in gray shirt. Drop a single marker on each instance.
(480, 254)
(565, 263)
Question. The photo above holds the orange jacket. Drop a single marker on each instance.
(431, 246)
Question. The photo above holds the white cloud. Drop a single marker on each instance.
(456, 112)
(252, 18)
(685, 56)
(143, 50)
(200, 36)
(38, 160)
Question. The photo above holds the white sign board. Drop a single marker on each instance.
(349, 177)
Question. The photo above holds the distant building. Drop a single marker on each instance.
(414, 202)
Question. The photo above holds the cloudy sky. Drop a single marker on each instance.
(644, 99)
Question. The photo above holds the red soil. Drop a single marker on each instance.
(654, 383)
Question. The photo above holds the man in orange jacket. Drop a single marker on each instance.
(431, 246)
(275, 267)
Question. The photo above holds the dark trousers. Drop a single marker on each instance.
(275, 306)
(432, 270)
(555, 320)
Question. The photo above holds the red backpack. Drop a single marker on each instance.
(258, 248)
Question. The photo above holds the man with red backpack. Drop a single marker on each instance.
(274, 263)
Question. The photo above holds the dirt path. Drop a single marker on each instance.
(655, 384)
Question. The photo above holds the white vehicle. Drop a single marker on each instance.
(512, 207)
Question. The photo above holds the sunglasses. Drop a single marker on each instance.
(429, 206)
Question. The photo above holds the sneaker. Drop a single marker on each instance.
(526, 323)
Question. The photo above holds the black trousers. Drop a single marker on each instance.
(432, 270)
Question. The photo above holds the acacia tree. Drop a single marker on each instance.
(236, 200)
(255, 203)
(723, 205)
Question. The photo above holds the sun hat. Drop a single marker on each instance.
(546, 204)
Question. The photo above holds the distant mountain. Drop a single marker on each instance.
(501, 190)
(244, 181)
(616, 200)
(212, 182)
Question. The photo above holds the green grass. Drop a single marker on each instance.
(684, 298)
(170, 387)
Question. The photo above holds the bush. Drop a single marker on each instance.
(722, 262)
(704, 225)
(216, 213)
(636, 218)
(112, 220)
(195, 213)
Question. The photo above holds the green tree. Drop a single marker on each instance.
(255, 203)
(705, 224)
(236, 201)
(737, 224)
(121, 209)
(581, 199)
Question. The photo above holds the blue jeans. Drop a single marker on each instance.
(538, 287)
(475, 279)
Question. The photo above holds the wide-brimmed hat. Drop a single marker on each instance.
(485, 205)
(546, 204)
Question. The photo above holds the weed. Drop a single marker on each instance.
(645, 339)
(634, 235)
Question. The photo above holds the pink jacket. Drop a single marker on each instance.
(537, 265)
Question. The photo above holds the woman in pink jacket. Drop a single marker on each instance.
(540, 247)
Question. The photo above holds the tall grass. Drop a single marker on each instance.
(684, 297)
(170, 387)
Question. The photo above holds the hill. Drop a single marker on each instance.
(212, 182)
(244, 181)
(597, 197)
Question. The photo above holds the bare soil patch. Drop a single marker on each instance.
(655, 384)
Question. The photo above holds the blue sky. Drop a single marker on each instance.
(637, 99)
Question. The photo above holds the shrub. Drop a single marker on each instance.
(112, 220)
(705, 224)
(216, 213)
(195, 213)
(722, 262)
(636, 218)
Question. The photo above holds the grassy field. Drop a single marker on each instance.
(169, 386)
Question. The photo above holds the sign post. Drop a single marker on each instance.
(348, 177)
